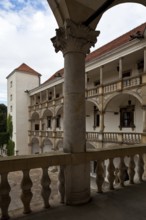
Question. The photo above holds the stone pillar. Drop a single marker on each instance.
(120, 68)
(101, 75)
(75, 40)
(144, 69)
(144, 118)
(54, 95)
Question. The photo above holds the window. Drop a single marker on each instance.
(96, 117)
(49, 121)
(11, 84)
(140, 65)
(10, 97)
(127, 117)
(11, 108)
(58, 121)
(126, 74)
(36, 127)
(97, 82)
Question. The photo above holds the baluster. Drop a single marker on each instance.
(46, 190)
(111, 176)
(140, 168)
(99, 175)
(4, 196)
(131, 170)
(122, 169)
(26, 195)
(61, 186)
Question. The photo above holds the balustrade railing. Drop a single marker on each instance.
(110, 137)
(113, 137)
(93, 92)
(130, 82)
(125, 138)
(131, 138)
(112, 87)
(92, 136)
(107, 170)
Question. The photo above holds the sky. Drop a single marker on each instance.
(26, 27)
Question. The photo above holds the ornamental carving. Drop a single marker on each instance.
(74, 37)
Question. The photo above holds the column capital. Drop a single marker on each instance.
(74, 37)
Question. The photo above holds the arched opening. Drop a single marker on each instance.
(125, 113)
(35, 124)
(120, 18)
(47, 120)
(35, 146)
(59, 145)
(92, 117)
(59, 119)
(47, 146)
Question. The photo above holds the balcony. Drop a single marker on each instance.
(122, 198)
(115, 86)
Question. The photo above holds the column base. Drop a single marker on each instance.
(77, 184)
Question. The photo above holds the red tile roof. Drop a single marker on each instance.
(59, 73)
(115, 43)
(25, 68)
(108, 47)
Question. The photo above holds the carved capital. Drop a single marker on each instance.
(74, 37)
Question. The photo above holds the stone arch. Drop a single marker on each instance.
(121, 109)
(35, 146)
(117, 3)
(59, 145)
(47, 113)
(124, 92)
(35, 116)
(92, 115)
(47, 145)
(59, 118)
(58, 110)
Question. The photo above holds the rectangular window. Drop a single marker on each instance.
(126, 74)
(49, 122)
(58, 118)
(97, 82)
(10, 97)
(11, 84)
(36, 127)
(96, 117)
(11, 108)
(127, 117)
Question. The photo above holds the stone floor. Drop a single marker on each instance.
(128, 203)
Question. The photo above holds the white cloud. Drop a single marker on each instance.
(25, 35)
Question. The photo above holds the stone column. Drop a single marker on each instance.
(144, 69)
(144, 118)
(120, 68)
(54, 95)
(75, 40)
(101, 75)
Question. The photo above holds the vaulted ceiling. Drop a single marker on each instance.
(87, 12)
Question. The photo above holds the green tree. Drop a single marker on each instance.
(10, 144)
(4, 139)
(4, 135)
(3, 118)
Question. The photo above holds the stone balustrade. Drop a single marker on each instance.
(132, 81)
(134, 168)
(92, 92)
